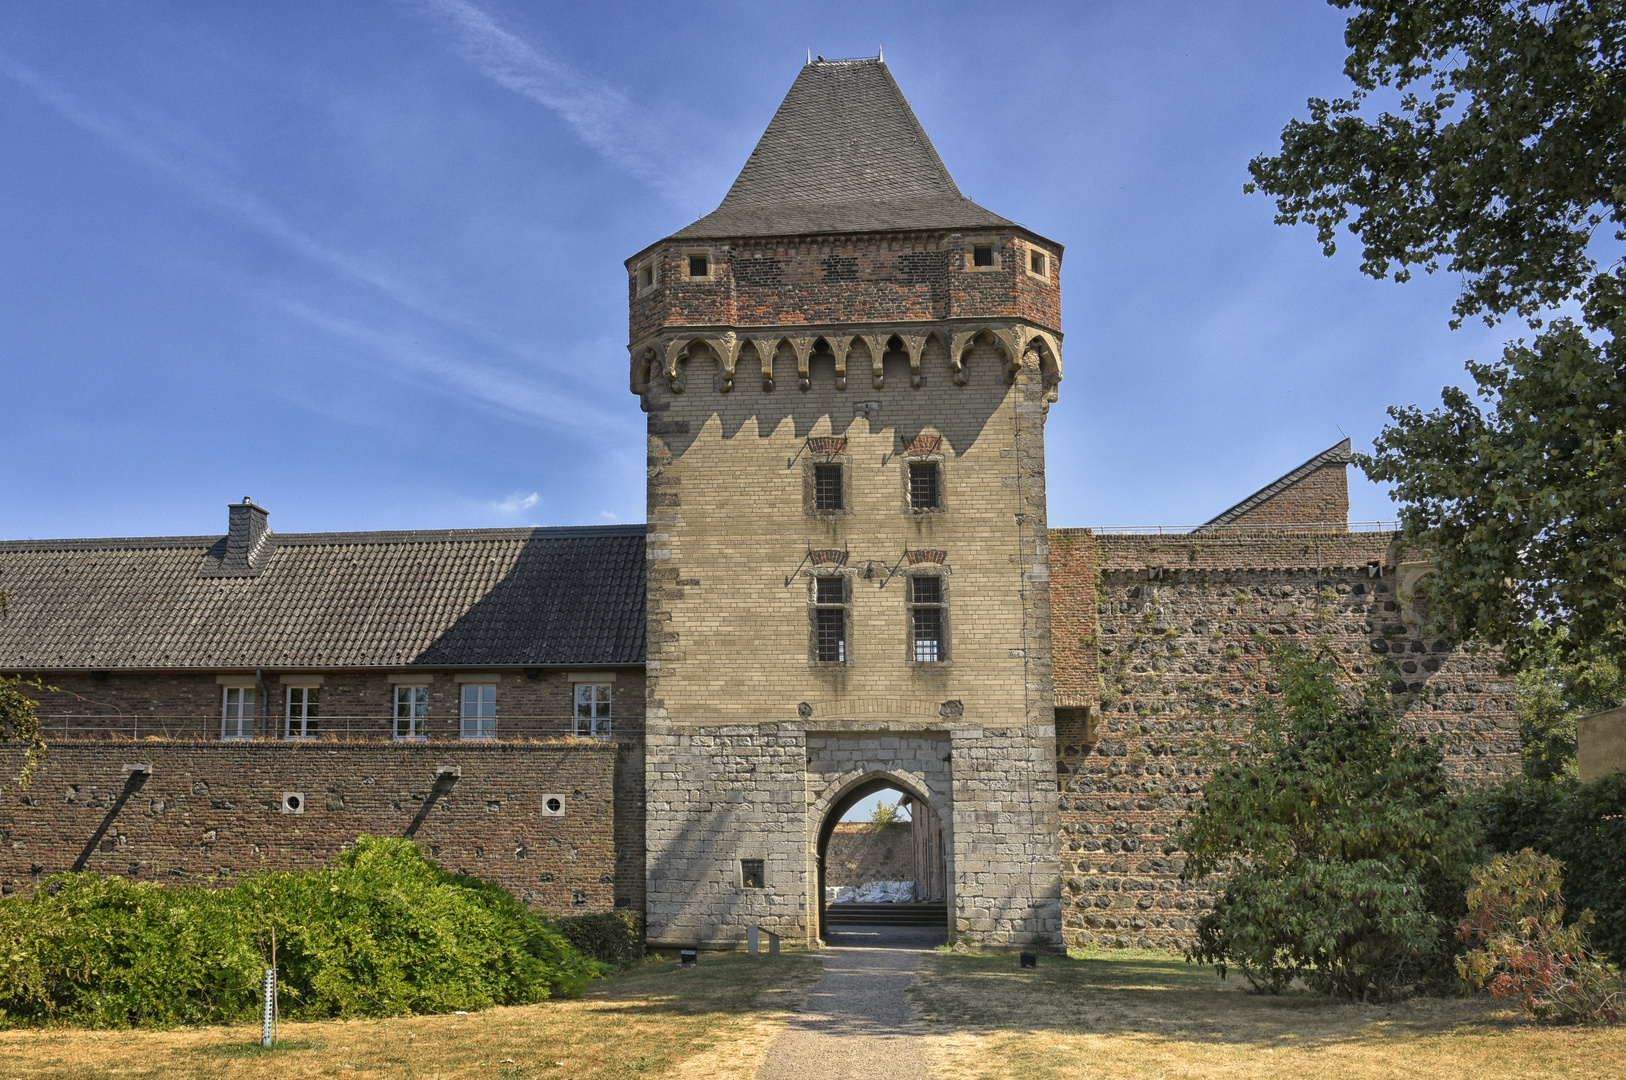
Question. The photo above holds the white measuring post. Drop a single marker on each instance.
(751, 940)
(268, 1019)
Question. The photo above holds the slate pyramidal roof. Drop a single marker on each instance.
(571, 596)
(844, 153)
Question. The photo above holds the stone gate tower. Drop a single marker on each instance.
(846, 368)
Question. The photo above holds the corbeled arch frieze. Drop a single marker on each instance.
(667, 354)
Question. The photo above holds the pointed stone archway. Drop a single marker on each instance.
(927, 830)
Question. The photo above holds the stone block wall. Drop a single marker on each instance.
(210, 811)
(738, 706)
(1184, 622)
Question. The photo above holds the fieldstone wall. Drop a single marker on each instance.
(1184, 623)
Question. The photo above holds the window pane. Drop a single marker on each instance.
(926, 590)
(830, 590)
(601, 691)
(982, 255)
(928, 634)
(827, 488)
(923, 485)
(830, 634)
(697, 266)
(584, 699)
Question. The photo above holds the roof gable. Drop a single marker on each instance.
(1324, 508)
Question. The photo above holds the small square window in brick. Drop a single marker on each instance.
(827, 488)
(752, 875)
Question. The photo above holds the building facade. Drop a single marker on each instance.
(847, 582)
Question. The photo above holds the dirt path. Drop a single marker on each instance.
(857, 1023)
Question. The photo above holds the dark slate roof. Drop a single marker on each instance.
(1332, 455)
(844, 153)
(326, 600)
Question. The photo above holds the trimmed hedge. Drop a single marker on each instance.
(614, 937)
(381, 931)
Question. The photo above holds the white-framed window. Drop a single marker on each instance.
(411, 712)
(237, 712)
(829, 613)
(302, 706)
(593, 709)
(479, 710)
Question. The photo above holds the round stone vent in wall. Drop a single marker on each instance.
(293, 802)
(553, 806)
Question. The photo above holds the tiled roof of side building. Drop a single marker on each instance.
(554, 596)
(844, 153)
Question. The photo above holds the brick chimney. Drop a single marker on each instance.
(247, 537)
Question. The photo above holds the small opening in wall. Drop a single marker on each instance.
(923, 485)
(751, 874)
(982, 255)
(646, 277)
(1036, 262)
(293, 802)
(699, 265)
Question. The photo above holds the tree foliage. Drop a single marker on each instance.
(1347, 854)
(1584, 826)
(1502, 160)
(1555, 690)
(20, 721)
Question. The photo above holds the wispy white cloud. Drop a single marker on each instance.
(178, 156)
(600, 114)
(517, 502)
(607, 516)
(505, 391)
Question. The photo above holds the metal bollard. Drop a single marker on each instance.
(268, 1020)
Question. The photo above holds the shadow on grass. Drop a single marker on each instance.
(729, 983)
(1169, 998)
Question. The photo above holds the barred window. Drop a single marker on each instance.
(827, 488)
(830, 620)
(237, 716)
(593, 709)
(982, 255)
(923, 493)
(411, 710)
(926, 618)
(303, 702)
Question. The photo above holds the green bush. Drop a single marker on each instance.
(613, 937)
(379, 932)
(1347, 856)
(1584, 826)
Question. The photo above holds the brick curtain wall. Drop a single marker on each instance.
(214, 810)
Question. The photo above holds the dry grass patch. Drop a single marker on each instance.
(1149, 1015)
(714, 1021)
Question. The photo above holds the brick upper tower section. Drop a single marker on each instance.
(843, 216)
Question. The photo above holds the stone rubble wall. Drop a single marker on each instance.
(1183, 624)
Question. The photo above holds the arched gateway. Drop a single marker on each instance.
(928, 865)
(846, 369)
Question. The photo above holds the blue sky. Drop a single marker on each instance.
(363, 261)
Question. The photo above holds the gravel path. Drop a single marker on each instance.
(857, 1023)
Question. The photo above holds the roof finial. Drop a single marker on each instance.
(880, 54)
(810, 54)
